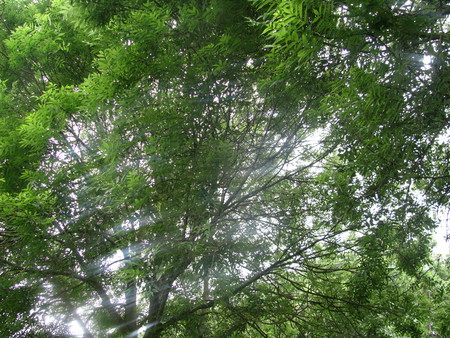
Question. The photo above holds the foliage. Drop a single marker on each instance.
(231, 168)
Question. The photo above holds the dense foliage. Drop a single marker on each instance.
(223, 168)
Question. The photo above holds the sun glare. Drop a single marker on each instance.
(75, 329)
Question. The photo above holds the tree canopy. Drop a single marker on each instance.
(223, 168)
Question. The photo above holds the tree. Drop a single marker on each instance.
(221, 168)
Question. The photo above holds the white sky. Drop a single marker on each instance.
(442, 246)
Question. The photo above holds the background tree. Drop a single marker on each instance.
(222, 168)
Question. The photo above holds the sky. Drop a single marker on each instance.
(442, 245)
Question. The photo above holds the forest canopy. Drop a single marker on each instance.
(223, 168)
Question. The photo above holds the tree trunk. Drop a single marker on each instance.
(130, 317)
(159, 299)
(158, 303)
